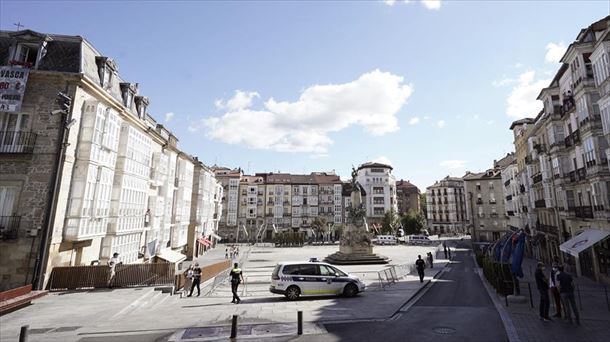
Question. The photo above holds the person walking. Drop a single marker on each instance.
(553, 287)
(196, 280)
(431, 259)
(236, 278)
(445, 249)
(566, 291)
(188, 276)
(543, 288)
(112, 263)
(420, 265)
(227, 253)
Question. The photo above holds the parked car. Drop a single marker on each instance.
(417, 239)
(313, 278)
(385, 240)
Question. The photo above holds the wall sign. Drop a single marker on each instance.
(12, 87)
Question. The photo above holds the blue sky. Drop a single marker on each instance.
(305, 86)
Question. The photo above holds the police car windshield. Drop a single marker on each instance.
(338, 272)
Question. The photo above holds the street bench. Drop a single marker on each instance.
(17, 298)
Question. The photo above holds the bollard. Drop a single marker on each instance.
(234, 327)
(299, 322)
(23, 334)
(529, 287)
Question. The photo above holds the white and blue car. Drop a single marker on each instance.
(314, 278)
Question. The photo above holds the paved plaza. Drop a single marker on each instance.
(144, 314)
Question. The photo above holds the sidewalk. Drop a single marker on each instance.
(592, 302)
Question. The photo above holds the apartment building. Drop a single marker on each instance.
(229, 180)
(446, 205)
(251, 213)
(84, 173)
(565, 168)
(380, 185)
(330, 197)
(485, 203)
(407, 197)
(278, 203)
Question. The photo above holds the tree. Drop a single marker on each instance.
(338, 228)
(413, 223)
(390, 222)
(318, 226)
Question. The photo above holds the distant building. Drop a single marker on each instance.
(407, 197)
(380, 186)
(446, 206)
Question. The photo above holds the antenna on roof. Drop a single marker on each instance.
(19, 26)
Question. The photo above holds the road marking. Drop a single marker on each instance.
(131, 306)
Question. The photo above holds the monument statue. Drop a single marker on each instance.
(355, 246)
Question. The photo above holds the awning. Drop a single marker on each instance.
(171, 256)
(582, 241)
(216, 236)
(204, 241)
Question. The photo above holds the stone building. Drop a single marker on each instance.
(407, 197)
(84, 173)
(380, 185)
(229, 179)
(446, 206)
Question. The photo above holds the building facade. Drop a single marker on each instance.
(85, 173)
(407, 197)
(446, 204)
(380, 186)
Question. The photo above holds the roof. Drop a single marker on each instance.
(504, 162)
(276, 178)
(251, 179)
(521, 122)
(324, 178)
(371, 165)
(302, 179)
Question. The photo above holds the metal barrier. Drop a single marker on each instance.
(126, 275)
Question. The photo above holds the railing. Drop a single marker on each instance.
(537, 178)
(17, 142)
(9, 227)
(548, 229)
(509, 197)
(129, 275)
(507, 183)
(581, 173)
(510, 213)
(584, 212)
(539, 203)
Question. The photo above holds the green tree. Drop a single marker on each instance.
(413, 223)
(318, 226)
(390, 222)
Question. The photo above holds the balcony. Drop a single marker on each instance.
(522, 188)
(528, 159)
(510, 213)
(479, 201)
(537, 178)
(9, 227)
(493, 215)
(17, 142)
(540, 148)
(547, 229)
(524, 209)
(507, 183)
(581, 174)
(540, 203)
(572, 139)
(568, 105)
(509, 197)
(584, 212)
(590, 123)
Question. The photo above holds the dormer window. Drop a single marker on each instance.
(141, 105)
(105, 69)
(28, 48)
(128, 91)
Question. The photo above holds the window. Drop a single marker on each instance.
(13, 130)
(26, 54)
(589, 152)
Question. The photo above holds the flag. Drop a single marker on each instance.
(245, 230)
(366, 225)
(518, 256)
(507, 248)
(497, 250)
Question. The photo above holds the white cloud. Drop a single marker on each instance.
(521, 101)
(517, 65)
(383, 160)
(441, 123)
(503, 81)
(432, 4)
(241, 100)
(476, 116)
(453, 164)
(426, 117)
(389, 2)
(554, 52)
(372, 102)
(414, 121)
(490, 122)
(169, 116)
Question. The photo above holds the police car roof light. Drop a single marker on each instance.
(313, 259)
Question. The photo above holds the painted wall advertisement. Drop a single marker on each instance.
(12, 87)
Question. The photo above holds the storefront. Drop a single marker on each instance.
(590, 250)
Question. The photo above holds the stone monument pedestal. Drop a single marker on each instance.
(355, 249)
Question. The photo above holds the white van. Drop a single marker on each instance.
(385, 239)
(417, 239)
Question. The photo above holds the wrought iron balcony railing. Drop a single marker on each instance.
(9, 227)
(17, 142)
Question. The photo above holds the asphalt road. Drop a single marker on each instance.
(455, 308)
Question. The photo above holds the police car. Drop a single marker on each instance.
(313, 278)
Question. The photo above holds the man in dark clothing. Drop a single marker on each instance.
(196, 280)
(445, 249)
(420, 264)
(430, 259)
(553, 283)
(566, 291)
(543, 287)
(236, 278)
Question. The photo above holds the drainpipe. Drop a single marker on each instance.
(43, 249)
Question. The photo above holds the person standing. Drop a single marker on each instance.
(543, 288)
(188, 275)
(236, 278)
(566, 291)
(112, 263)
(227, 253)
(420, 265)
(196, 280)
(431, 259)
(554, 291)
(445, 249)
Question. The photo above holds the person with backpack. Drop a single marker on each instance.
(237, 277)
(420, 265)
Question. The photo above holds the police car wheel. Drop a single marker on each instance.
(350, 290)
(293, 293)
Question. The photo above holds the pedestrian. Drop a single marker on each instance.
(543, 288)
(196, 280)
(566, 291)
(227, 253)
(236, 278)
(449, 250)
(188, 275)
(553, 286)
(112, 263)
(445, 249)
(430, 259)
(420, 265)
